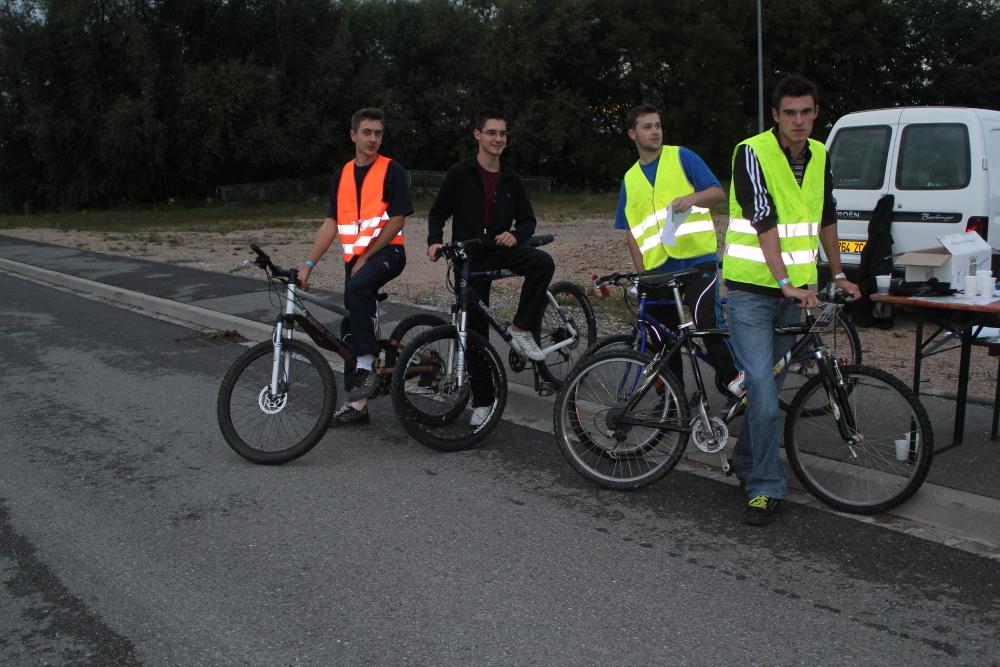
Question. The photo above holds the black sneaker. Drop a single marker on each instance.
(346, 415)
(760, 510)
(364, 385)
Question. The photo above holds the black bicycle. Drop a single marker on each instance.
(277, 399)
(855, 436)
(449, 387)
(841, 339)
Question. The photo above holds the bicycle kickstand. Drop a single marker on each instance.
(542, 388)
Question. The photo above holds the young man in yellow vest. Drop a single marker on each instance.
(369, 201)
(781, 208)
(674, 179)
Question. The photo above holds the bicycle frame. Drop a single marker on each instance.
(810, 341)
(466, 298)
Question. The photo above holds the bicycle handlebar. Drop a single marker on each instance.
(450, 250)
(263, 261)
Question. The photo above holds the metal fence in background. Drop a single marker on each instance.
(318, 187)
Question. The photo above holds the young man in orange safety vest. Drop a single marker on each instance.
(369, 201)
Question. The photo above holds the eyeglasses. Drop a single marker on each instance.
(492, 134)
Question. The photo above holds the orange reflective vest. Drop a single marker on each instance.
(356, 227)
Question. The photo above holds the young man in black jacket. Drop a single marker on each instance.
(486, 200)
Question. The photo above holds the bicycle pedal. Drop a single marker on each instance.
(546, 389)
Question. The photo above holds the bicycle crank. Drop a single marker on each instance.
(709, 441)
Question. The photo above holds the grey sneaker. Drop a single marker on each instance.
(365, 384)
(480, 415)
(524, 344)
(346, 415)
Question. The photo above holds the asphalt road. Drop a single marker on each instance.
(131, 534)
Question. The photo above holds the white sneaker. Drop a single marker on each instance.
(738, 386)
(480, 415)
(524, 344)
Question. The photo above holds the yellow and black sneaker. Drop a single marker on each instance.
(346, 415)
(760, 510)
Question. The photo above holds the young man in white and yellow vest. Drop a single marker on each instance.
(675, 178)
(781, 208)
(369, 201)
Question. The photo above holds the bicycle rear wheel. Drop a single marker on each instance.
(895, 441)
(406, 330)
(572, 300)
(588, 417)
(276, 428)
(843, 343)
(431, 404)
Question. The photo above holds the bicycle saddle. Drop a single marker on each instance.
(541, 239)
(656, 279)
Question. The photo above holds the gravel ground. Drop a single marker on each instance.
(582, 247)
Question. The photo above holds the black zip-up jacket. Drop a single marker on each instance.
(461, 198)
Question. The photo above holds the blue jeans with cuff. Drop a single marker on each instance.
(757, 457)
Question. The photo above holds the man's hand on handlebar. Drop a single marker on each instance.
(849, 287)
(506, 239)
(304, 272)
(805, 298)
(433, 250)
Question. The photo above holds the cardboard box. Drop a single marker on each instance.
(958, 256)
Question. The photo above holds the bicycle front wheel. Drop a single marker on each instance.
(843, 343)
(616, 447)
(438, 408)
(572, 301)
(892, 441)
(272, 428)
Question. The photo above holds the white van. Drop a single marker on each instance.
(942, 164)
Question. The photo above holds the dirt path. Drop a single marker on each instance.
(582, 247)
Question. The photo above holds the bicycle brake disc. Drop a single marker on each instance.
(270, 403)
(713, 442)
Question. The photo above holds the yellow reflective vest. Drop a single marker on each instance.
(799, 210)
(646, 209)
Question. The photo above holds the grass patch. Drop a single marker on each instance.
(152, 222)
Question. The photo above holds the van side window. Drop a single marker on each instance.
(934, 156)
(858, 156)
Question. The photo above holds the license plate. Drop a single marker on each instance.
(853, 247)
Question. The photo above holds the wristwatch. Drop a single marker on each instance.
(840, 276)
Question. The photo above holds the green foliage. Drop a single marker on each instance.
(115, 103)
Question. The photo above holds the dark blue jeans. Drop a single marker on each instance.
(757, 458)
(359, 298)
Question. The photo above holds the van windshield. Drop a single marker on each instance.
(934, 156)
(858, 156)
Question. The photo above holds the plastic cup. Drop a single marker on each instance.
(882, 283)
(971, 285)
(902, 449)
(985, 282)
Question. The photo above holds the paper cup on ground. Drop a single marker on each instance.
(971, 285)
(902, 449)
(882, 282)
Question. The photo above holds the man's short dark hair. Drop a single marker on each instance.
(368, 113)
(488, 114)
(633, 115)
(793, 86)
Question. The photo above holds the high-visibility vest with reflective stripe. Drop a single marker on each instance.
(799, 210)
(358, 228)
(646, 209)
